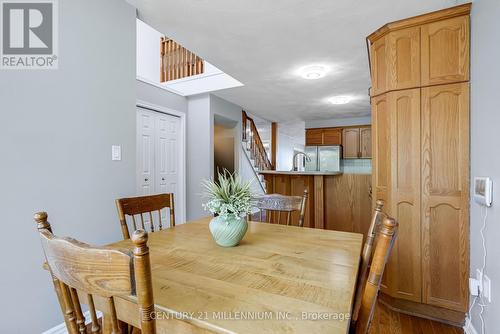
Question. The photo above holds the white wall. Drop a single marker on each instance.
(161, 97)
(291, 135)
(148, 52)
(200, 156)
(334, 122)
(485, 157)
(56, 132)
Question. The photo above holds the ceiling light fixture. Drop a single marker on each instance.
(341, 99)
(313, 72)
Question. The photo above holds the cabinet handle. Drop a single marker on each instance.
(146, 179)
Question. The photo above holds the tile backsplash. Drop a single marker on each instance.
(356, 166)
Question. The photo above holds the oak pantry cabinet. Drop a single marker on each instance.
(420, 136)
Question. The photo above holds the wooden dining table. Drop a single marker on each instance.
(279, 279)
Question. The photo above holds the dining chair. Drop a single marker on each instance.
(278, 204)
(366, 256)
(83, 270)
(141, 205)
(384, 244)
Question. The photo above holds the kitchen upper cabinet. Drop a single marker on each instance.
(445, 195)
(403, 58)
(332, 136)
(379, 67)
(445, 51)
(429, 54)
(350, 147)
(357, 143)
(365, 142)
(314, 137)
(323, 136)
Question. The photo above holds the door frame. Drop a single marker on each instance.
(182, 148)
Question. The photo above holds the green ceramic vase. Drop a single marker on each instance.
(228, 232)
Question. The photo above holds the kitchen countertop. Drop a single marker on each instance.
(289, 172)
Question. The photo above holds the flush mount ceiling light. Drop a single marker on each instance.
(313, 72)
(341, 99)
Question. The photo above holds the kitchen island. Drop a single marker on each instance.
(336, 201)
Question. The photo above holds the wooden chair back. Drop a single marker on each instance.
(138, 206)
(92, 271)
(384, 243)
(366, 256)
(277, 204)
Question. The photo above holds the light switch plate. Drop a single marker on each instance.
(474, 287)
(116, 152)
(483, 190)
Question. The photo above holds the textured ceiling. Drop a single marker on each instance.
(263, 42)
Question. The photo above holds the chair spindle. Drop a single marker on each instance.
(152, 227)
(160, 227)
(134, 223)
(93, 315)
(80, 319)
(142, 222)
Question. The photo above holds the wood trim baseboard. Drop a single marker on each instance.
(449, 317)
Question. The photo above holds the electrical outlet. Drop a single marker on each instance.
(486, 291)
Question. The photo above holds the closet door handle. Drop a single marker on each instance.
(146, 179)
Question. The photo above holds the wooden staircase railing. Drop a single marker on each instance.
(177, 62)
(254, 144)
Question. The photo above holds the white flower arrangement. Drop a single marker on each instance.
(230, 197)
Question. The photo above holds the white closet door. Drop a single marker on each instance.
(159, 158)
(145, 151)
(167, 159)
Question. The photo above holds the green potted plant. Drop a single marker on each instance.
(230, 199)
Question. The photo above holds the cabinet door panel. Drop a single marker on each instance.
(403, 48)
(445, 195)
(332, 137)
(381, 166)
(445, 51)
(365, 142)
(350, 139)
(381, 147)
(378, 67)
(404, 267)
(314, 137)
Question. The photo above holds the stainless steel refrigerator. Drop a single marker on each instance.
(323, 158)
